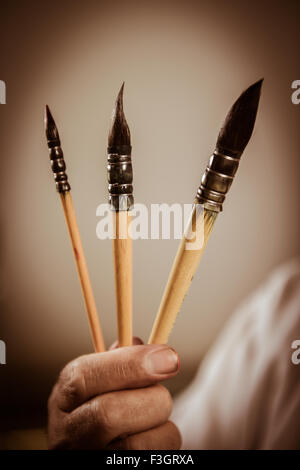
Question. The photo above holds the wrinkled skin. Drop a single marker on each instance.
(113, 400)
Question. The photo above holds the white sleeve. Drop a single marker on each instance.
(246, 394)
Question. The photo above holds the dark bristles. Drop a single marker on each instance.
(119, 135)
(239, 123)
(50, 128)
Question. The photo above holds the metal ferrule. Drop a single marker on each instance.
(58, 166)
(119, 174)
(217, 180)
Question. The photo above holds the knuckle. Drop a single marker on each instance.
(135, 365)
(107, 411)
(71, 385)
(51, 400)
(122, 444)
(72, 430)
(70, 426)
(124, 369)
(175, 436)
(56, 429)
(80, 427)
(131, 369)
(132, 443)
(165, 398)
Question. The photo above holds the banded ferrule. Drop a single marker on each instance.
(217, 179)
(58, 167)
(120, 176)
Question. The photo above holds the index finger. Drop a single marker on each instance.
(123, 368)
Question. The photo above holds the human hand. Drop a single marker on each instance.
(113, 400)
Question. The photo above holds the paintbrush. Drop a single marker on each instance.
(119, 170)
(64, 189)
(216, 181)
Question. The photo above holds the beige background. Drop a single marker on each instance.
(184, 63)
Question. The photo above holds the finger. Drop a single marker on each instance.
(135, 341)
(164, 437)
(116, 415)
(122, 368)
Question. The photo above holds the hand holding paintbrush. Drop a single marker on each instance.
(216, 181)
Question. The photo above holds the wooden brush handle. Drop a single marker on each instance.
(122, 250)
(81, 265)
(180, 278)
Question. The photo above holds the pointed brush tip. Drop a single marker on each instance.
(119, 135)
(239, 122)
(256, 87)
(119, 100)
(50, 126)
(259, 82)
(48, 114)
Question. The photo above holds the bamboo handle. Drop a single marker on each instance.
(81, 265)
(122, 250)
(181, 276)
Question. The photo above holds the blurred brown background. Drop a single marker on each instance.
(184, 63)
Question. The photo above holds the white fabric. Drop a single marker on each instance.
(246, 394)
